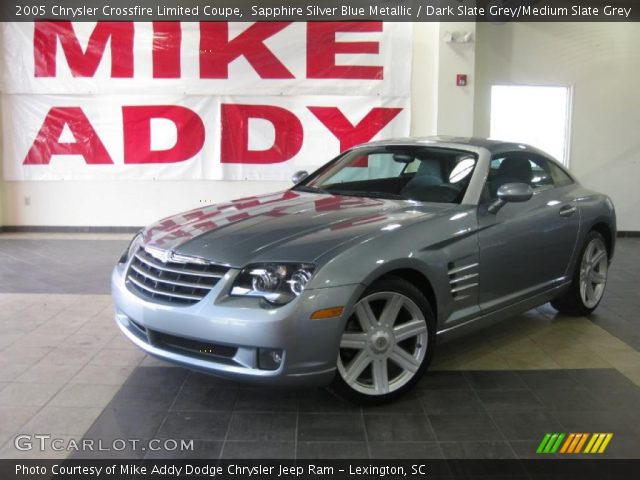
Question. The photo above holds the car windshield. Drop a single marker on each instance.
(425, 174)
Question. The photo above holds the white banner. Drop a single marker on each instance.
(169, 100)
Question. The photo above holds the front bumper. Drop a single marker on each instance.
(238, 327)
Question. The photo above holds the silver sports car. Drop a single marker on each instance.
(352, 276)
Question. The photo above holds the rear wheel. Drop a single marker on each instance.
(387, 343)
(589, 279)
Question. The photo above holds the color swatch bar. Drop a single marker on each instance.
(574, 443)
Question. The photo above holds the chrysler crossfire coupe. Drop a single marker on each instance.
(351, 277)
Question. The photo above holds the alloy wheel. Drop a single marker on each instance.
(593, 272)
(384, 343)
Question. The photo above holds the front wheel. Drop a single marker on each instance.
(387, 343)
(589, 279)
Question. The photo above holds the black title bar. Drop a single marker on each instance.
(498, 11)
(316, 470)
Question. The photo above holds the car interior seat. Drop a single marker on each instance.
(429, 174)
(511, 170)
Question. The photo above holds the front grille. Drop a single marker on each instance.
(172, 282)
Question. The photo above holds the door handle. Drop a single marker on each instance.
(567, 210)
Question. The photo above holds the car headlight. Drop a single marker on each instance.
(134, 245)
(278, 283)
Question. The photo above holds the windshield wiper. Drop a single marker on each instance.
(364, 193)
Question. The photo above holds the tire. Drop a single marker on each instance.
(589, 278)
(387, 343)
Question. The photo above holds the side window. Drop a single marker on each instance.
(523, 167)
(560, 178)
(541, 178)
(547, 174)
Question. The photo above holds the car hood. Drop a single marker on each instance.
(285, 226)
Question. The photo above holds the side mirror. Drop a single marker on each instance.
(511, 192)
(299, 176)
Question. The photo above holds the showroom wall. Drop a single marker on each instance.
(601, 62)
(598, 60)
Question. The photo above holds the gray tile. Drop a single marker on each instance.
(330, 427)
(197, 379)
(44, 372)
(599, 379)
(36, 342)
(22, 352)
(526, 425)
(464, 427)
(408, 403)
(63, 355)
(14, 417)
(319, 400)
(477, 450)
(405, 450)
(125, 422)
(527, 449)
(91, 340)
(102, 375)
(617, 422)
(535, 379)
(195, 425)
(259, 450)
(570, 399)
(89, 272)
(481, 380)
(78, 395)
(451, 401)
(63, 420)
(265, 427)
(398, 428)
(619, 398)
(332, 450)
(266, 400)
(150, 397)
(438, 380)
(206, 398)
(157, 376)
(10, 371)
(509, 400)
(28, 394)
(203, 450)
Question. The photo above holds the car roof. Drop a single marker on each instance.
(494, 146)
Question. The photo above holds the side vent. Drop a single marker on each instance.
(462, 279)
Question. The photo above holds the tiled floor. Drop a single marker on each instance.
(61, 265)
(451, 414)
(65, 371)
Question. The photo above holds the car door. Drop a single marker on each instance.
(525, 248)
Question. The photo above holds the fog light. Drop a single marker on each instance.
(269, 358)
